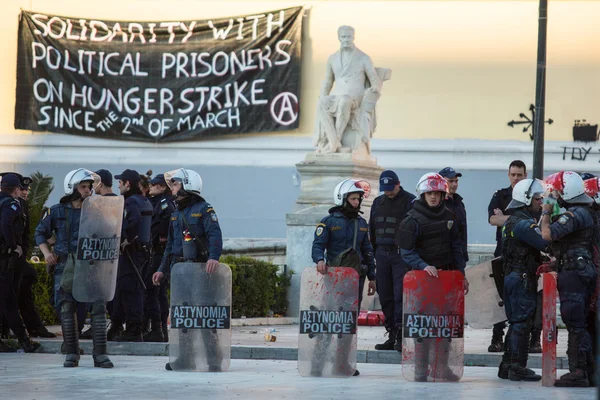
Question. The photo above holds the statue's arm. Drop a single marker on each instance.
(328, 81)
(376, 82)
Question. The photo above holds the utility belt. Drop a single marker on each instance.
(182, 259)
(389, 247)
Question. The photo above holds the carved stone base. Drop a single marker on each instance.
(320, 174)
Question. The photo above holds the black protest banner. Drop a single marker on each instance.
(449, 326)
(200, 317)
(159, 81)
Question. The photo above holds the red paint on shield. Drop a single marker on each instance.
(550, 333)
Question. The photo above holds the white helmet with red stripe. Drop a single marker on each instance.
(569, 186)
(592, 188)
(432, 182)
(347, 186)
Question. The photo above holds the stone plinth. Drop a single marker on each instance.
(320, 174)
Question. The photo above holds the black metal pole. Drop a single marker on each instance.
(540, 94)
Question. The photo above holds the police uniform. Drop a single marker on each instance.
(386, 215)
(156, 304)
(430, 237)
(521, 246)
(335, 233)
(500, 200)
(455, 204)
(12, 225)
(574, 235)
(129, 297)
(200, 219)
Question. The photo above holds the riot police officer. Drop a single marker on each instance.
(12, 225)
(156, 305)
(429, 240)
(387, 212)
(341, 230)
(197, 218)
(574, 235)
(521, 246)
(62, 220)
(497, 216)
(136, 244)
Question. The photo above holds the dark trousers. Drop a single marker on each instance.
(28, 278)
(498, 330)
(8, 297)
(390, 282)
(128, 304)
(152, 310)
(576, 284)
(520, 300)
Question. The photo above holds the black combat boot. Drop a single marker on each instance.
(115, 330)
(156, 334)
(591, 370)
(389, 343)
(518, 370)
(132, 333)
(497, 345)
(68, 321)
(577, 375)
(535, 345)
(398, 340)
(41, 331)
(28, 345)
(98, 328)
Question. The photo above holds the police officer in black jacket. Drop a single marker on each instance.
(454, 203)
(156, 303)
(387, 211)
(12, 226)
(497, 216)
(135, 254)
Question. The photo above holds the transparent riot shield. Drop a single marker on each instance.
(550, 334)
(328, 320)
(433, 311)
(95, 276)
(200, 338)
(483, 307)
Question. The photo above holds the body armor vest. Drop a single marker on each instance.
(434, 241)
(387, 217)
(516, 253)
(144, 227)
(583, 239)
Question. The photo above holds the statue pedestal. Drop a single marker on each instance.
(320, 174)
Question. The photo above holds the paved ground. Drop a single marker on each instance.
(41, 376)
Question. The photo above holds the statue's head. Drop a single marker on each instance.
(346, 36)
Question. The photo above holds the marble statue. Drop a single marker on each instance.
(346, 116)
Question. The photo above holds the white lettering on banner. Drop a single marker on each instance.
(433, 326)
(327, 322)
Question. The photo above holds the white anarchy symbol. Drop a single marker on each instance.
(284, 108)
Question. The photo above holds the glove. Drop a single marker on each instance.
(546, 267)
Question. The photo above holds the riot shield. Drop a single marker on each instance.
(433, 313)
(328, 317)
(200, 338)
(550, 334)
(483, 307)
(95, 276)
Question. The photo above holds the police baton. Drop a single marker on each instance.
(135, 268)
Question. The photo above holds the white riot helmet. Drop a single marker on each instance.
(347, 186)
(190, 180)
(77, 176)
(569, 186)
(592, 188)
(432, 182)
(524, 192)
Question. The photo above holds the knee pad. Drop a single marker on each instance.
(67, 307)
